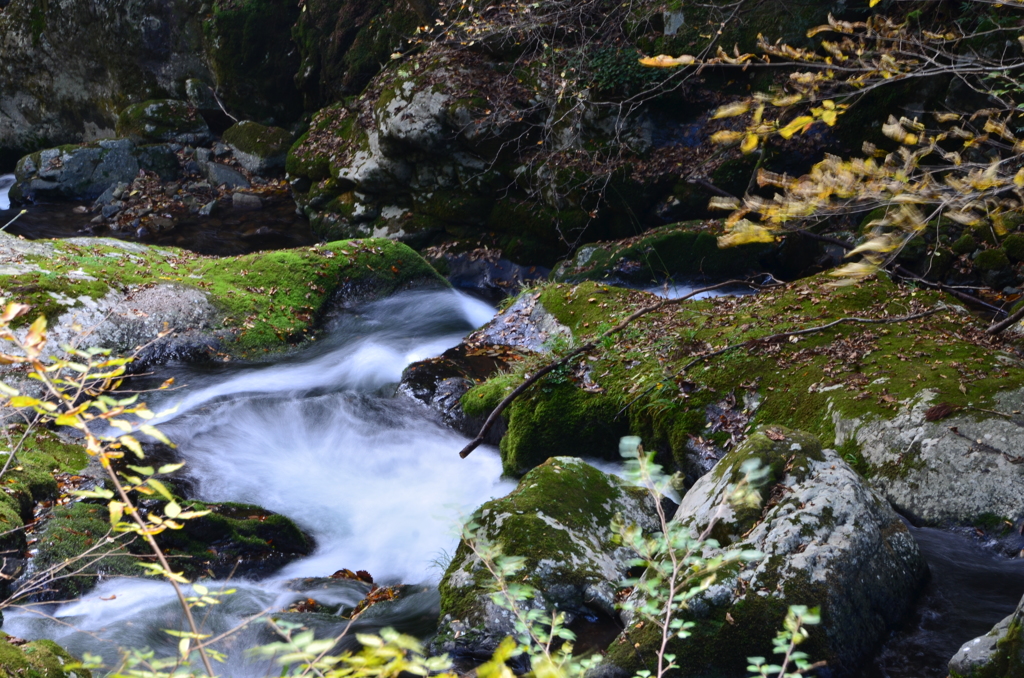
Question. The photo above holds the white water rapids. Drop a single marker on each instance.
(319, 437)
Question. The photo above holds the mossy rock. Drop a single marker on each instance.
(161, 120)
(992, 260)
(265, 300)
(827, 541)
(234, 539)
(344, 43)
(257, 147)
(966, 244)
(685, 249)
(1013, 245)
(79, 537)
(643, 381)
(997, 654)
(559, 519)
(31, 480)
(253, 60)
(36, 659)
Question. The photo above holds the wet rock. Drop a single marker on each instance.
(953, 470)
(222, 175)
(997, 654)
(559, 519)
(162, 120)
(525, 325)
(81, 282)
(246, 201)
(208, 209)
(87, 172)
(258, 148)
(828, 540)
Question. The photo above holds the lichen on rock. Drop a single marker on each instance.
(827, 540)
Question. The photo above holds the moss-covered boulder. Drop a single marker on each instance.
(84, 172)
(76, 547)
(257, 147)
(684, 249)
(559, 520)
(36, 659)
(161, 120)
(997, 654)
(244, 304)
(828, 540)
(29, 481)
(866, 388)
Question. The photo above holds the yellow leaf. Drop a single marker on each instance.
(1018, 179)
(719, 202)
(172, 509)
(749, 144)
(743, 232)
(665, 61)
(880, 244)
(23, 401)
(829, 117)
(797, 125)
(732, 110)
(116, 509)
(726, 137)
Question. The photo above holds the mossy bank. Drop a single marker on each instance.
(661, 379)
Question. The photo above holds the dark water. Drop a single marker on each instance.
(228, 233)
(971, 589)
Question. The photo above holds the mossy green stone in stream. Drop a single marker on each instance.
(36, 659)
(267, 299)
(267, 146)
(30, 479)
(684, 249)
(992, 260)
(559, 520)
(851, 372)
(78, 537)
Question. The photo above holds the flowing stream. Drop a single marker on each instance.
(320, 437)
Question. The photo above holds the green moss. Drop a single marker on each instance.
(36, 659)
(259, 140)
(1013, 245)
(992, 260)
(159, 120)
(851, 371)
(268, 298)
(76, 536)
(684, 249)
(574, 494)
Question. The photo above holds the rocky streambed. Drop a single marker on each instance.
(324, 445)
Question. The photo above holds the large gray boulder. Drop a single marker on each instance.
(828, 540)
(258, 148)
(559, 519)
(953, 470)
(161, 120)
(85, 172)
(997, 654)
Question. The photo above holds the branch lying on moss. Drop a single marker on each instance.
(810, 330)
(530, 381)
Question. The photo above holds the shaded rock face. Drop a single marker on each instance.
(960, 470)
(828, 540)
(85, 172)
(258, 148)
(163, 120)
(69, 68)
(559, 519)
(997, 654)
(440, 383)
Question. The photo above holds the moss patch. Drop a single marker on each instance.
(37, 659)
(267, 298)
(853, 370)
